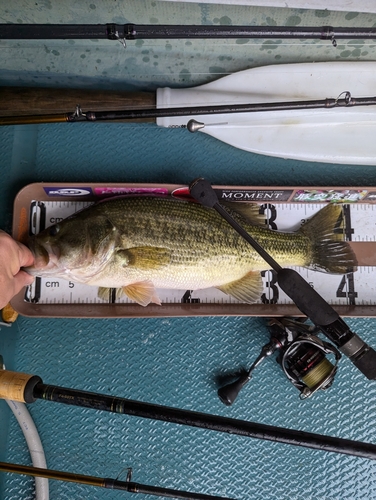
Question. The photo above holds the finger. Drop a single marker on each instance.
(25, 255)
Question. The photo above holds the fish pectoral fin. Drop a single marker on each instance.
(106, 293)
(247, 289)
(145, 258)
(142, 292)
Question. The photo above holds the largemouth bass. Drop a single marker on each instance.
(140, 243)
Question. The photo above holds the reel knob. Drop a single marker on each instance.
(228, 393)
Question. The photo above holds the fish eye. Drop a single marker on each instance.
(54, 230)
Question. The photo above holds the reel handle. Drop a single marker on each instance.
(228, 393)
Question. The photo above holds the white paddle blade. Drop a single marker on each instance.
(337, 135)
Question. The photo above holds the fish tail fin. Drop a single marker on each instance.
(329, 251)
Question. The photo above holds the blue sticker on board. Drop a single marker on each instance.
(68, 191)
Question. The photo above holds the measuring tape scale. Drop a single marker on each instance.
(351, 289)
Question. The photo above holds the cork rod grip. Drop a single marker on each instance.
(17, 386)
(24, 101)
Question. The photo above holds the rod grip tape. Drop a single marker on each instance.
(17, 386)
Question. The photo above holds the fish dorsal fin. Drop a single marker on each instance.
(145, 258)
(142, 292)
(247, 289)
(248, 211)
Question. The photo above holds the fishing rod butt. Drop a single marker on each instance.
(201, 190)
(16, 386)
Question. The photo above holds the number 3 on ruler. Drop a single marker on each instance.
(271, 297)
(272, 294)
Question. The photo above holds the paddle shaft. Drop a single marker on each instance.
(99, 99)
(132, 31)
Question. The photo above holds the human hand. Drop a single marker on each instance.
(13, 256)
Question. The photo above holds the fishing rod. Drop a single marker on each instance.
(130, 31)
(335, 132)
(78, 115)
(108, 483)
(28, 388)
(306, 298)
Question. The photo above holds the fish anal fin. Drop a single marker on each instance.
(142, 292)
(246, 289)
(145, 258)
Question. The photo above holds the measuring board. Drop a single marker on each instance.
(39, 205)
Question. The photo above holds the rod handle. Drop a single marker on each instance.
(17, 386)
(32, 119)
(8, 314)
(25, 101)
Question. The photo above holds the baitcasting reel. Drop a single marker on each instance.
(302, 356)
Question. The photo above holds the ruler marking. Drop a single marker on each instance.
(285, 216)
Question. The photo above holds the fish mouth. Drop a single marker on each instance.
(46, 259)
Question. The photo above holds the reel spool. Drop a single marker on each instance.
(302, 357)
(305, 364)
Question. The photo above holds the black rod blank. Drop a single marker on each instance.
(132, 31)
(203, 420)
(328, 103)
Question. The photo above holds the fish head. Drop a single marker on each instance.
(76, 248)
